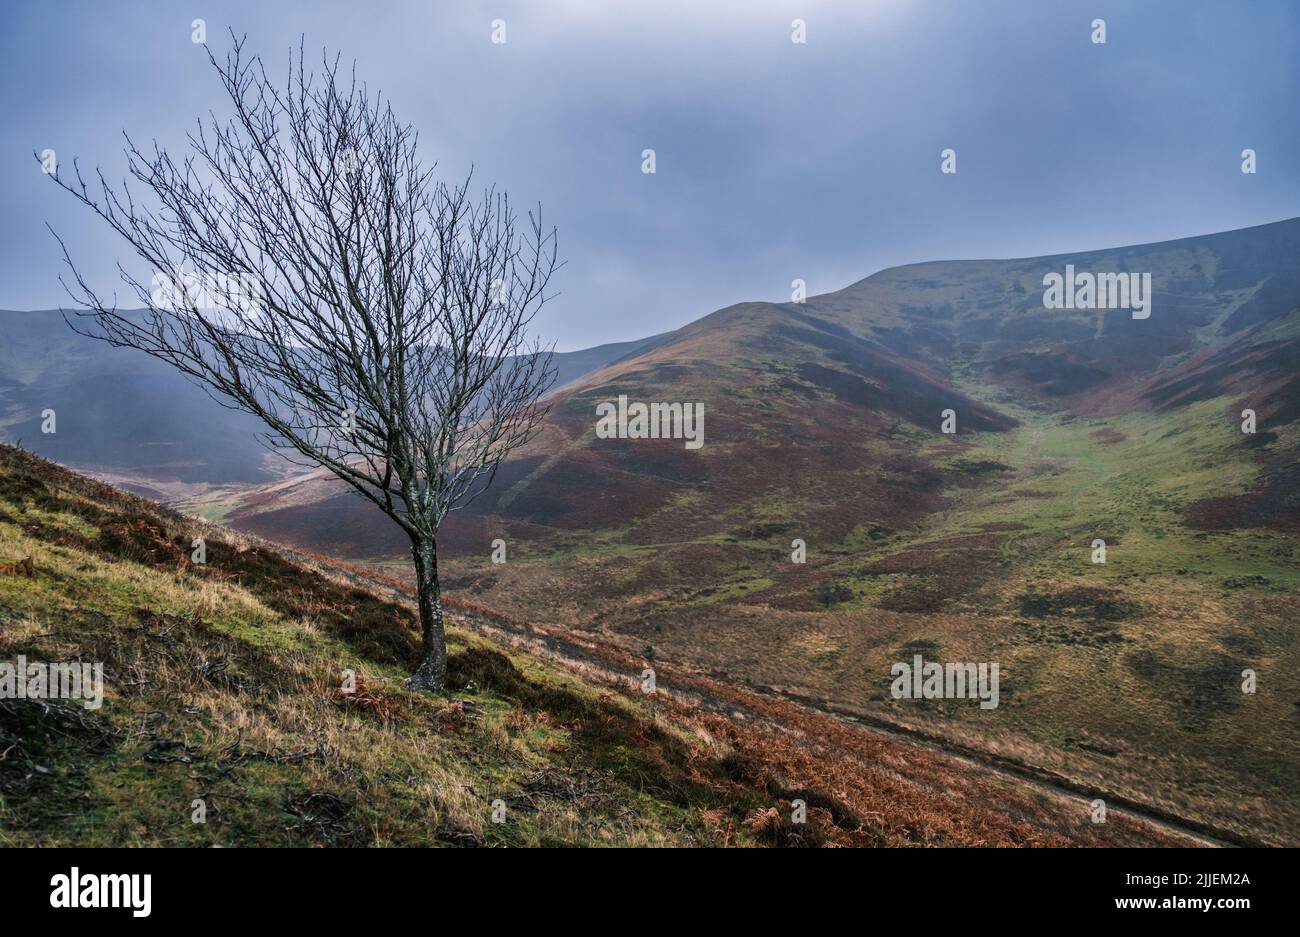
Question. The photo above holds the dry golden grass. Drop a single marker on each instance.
(225, 694)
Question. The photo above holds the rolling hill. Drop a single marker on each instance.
(225, 719)
(823, 424)
(804, 397)
(130, 419)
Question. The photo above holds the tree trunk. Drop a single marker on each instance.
(432, 673)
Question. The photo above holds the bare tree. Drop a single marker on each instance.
(310, 270)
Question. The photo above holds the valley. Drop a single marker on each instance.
(1077, 431)
(228, 722)
(1124, 675)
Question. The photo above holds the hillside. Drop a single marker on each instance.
(120, 411)
(824, 416)
(136, 422)
(1074, 425)
(223, 686)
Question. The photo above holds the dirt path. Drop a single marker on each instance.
(1201, 834)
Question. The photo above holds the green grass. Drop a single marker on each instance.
(1146, 699)
(223, 687)
(1134, 491)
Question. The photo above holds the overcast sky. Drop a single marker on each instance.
(775, 160)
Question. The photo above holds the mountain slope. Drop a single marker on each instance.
(133, 420)
(119, 410)
(827, 413)
(224, 702)
(823, 425)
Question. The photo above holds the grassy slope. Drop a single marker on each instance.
(1125, 675)
(1130, 673)
(223, 686)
